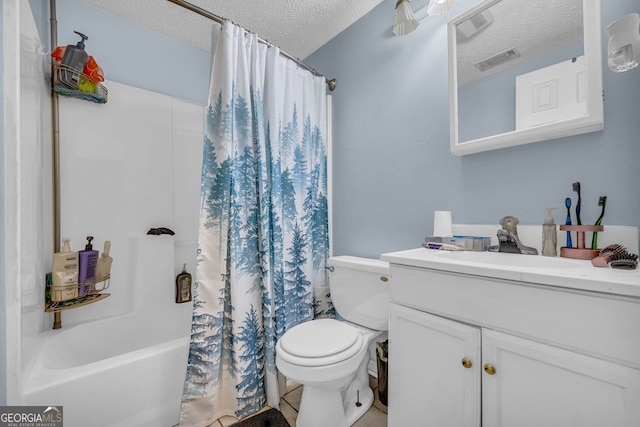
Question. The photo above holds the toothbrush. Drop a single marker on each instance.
(576, 188)
(567, 203)
(594, 241)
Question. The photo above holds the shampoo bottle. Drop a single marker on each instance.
(75, 58)
(64, 273)
(183, 286)
(88, 263)
(103, 268)
(549, 235)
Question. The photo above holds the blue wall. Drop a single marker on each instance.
(40, 12)
(392, 165)
(131, 54)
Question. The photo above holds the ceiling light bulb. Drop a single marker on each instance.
(405, 22)
(438, 7)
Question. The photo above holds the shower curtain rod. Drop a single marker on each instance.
(331, 83)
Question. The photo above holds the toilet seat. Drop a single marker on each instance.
(320, 342)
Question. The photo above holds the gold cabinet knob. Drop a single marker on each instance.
(466, 362)
(489, 369)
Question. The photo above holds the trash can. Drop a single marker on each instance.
(382, 352)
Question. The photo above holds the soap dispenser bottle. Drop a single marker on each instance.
(64, 273)
(183, 286)
(549, 235)
(103, 267)
(88, 262)
(75, 58)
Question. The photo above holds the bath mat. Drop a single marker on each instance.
(270, 418)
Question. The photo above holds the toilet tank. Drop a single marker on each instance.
(360, 290)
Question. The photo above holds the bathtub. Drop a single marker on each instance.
(121, 371)
(120, 382)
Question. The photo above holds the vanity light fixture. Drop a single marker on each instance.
(438, 7)
(405, 21)
(624, 43)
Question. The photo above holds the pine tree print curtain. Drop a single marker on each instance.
(263, 239)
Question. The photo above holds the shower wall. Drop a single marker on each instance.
(128, 166)
(26, 131)
(110, 181)
(3, 338)
(125, 166)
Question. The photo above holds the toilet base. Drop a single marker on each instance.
(322, 407)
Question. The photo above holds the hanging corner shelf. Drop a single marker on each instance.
(70, 82)
(61, 298)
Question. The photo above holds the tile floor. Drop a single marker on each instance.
(376, 416)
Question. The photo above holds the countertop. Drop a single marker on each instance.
(536, 269)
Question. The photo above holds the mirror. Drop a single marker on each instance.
(523, 71)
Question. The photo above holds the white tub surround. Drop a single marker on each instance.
(515, 340)
(120, 371)
(133, 382)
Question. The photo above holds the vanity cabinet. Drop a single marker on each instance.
(428, 383)
(534, 384)
(468, 350)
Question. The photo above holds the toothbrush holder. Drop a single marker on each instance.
(580, 252)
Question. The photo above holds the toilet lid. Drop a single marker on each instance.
(319, 338)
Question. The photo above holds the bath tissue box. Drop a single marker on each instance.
(469, 243)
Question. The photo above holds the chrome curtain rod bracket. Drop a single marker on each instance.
(331, 83)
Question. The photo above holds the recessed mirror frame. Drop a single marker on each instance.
(591, 122)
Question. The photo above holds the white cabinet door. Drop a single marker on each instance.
(538, 385)
(428, 383)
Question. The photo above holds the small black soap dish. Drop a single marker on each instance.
(160, 230)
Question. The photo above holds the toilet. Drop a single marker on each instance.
(330, 357)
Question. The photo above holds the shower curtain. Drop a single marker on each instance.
(263, 239)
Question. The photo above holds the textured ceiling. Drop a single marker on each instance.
(299, 27)
(532, 27)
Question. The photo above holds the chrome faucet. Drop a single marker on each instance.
(508, 240)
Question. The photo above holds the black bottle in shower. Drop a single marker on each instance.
(74, 58)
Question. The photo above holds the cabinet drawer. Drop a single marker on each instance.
(601, 325)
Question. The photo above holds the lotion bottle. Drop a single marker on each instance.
(64, 273)
(549, 235)
(103, 268)
(183, 286)
(88, 262)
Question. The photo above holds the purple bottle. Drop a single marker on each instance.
(88, 259)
